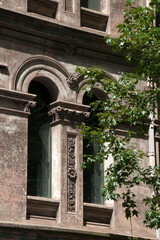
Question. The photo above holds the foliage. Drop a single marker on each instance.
(139, 41)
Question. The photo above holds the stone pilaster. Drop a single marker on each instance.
(68, 141)
(14, 110)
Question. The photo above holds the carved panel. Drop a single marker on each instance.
(71, 174)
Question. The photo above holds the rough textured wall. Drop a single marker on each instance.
(16, 5)
(134, 226)
(13, 171)
(116, 13)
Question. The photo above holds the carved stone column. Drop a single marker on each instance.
(14, 111)
(68, 141)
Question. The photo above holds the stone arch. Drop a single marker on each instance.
(96, 90)
(45, 70)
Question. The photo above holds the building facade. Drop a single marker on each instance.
(41, 103)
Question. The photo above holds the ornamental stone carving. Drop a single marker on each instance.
(72, 82)
(72, 174)
(68, 115)
(29, 105)
(68, 112)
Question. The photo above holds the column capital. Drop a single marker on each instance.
(68, 113)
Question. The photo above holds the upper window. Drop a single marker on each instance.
(94, 175)
(91, 4)
(39, 143)
(91, 15)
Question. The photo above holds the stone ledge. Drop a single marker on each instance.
(95, 214)
(16, 230)
(67, 113)
(69, 105)
(93, 19)
(15, 103)
(16, 94)
(44, 207)
(46, 8)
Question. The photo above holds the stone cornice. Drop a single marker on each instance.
(15, 103)
(68, 113)
(25, 27)
(82, 233)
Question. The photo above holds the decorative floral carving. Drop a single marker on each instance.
(72, 174)
(65, 114)
(29, 105)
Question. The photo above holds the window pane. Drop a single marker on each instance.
(93, 177)
(39, 144)
(92, 4)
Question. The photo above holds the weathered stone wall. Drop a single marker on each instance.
(16, 5)
(71, 15)
(13, 168)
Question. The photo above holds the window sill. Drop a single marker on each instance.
(46, 8)
(39, 207)
(93, 19)
(95, 214)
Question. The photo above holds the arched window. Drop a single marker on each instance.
(93, 177)
(39, 143)
(91, 4)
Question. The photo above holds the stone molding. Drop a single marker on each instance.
(51, 31)
(66, 112)
(29, 69)
(16, 103)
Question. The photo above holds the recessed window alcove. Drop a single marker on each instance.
(96, 210)
(94, 174)
(39, 181)
(39, 143)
